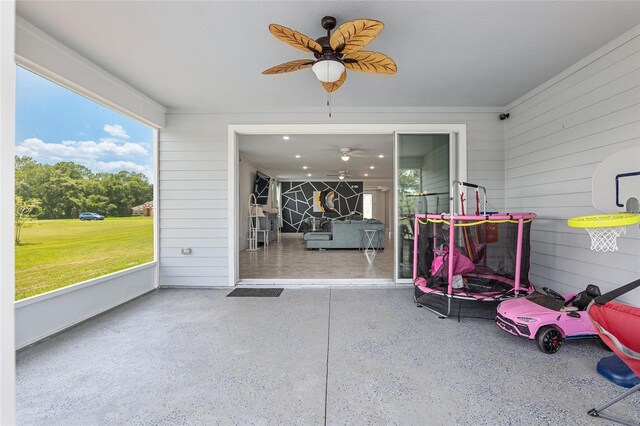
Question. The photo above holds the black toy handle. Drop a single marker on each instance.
(470, 185)
(614, 294)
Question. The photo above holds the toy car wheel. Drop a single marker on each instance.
(549, 340)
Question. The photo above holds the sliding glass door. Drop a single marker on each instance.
(425, 166)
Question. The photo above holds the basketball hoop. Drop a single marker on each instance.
(604, 229)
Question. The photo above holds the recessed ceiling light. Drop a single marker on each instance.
(366, 174)
(286, 138)
(381, 156)
(372, 167)
(309, 174)
(297, 155)
(305, 167)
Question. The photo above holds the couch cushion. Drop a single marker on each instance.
(317, 236)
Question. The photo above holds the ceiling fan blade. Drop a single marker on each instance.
(332, 87)
(371, 62)
(290, 66)
(354, 35)
(295, 39)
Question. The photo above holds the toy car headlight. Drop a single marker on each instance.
(527, 319)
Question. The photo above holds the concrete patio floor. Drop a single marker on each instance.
(310, 356)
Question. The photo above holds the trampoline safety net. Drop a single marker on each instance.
(490, 246)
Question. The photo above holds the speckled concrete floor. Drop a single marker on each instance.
(196, 357)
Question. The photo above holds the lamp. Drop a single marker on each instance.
(328, 70)
(345, 157)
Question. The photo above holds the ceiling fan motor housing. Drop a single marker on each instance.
(328, 23)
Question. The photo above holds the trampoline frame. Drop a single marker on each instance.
(464, 220)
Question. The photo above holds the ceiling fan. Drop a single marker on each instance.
(341, 174)
(334, 53)
(347, 153)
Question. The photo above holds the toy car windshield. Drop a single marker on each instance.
(546, 301)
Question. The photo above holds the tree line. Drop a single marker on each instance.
(65, 189)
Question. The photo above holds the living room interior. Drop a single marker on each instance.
(526, 99)
(316, 196)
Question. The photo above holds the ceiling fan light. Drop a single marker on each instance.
(345, 157)
(341, 177)
(328, 70)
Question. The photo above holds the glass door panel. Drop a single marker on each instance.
(423, 175)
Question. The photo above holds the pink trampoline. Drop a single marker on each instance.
(465, 264)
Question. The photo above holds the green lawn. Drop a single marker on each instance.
(58, 253)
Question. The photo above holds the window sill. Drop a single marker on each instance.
(74, 287)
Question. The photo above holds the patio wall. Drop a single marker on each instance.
(556, 136)
(41, 316)
(193, 175)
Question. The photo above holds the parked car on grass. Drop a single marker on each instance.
(91, 216)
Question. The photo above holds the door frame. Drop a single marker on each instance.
(458, 132)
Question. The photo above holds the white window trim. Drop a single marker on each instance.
(7, 190)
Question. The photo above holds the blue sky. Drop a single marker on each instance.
(54, 124)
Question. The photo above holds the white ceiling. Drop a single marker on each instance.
(211, 54)
(321, 154)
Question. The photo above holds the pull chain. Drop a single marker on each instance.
(329, 103)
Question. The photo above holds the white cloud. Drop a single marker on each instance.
(79, 151)
(116, 131)
(108, 155)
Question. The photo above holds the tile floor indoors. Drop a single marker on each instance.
(310, 356)
(291, 259)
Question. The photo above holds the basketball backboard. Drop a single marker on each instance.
(616, 182)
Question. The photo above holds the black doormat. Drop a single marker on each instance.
(255, 292)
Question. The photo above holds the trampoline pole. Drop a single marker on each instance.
(435, 236)
(451, 258)
(416, 231)
(519, 255)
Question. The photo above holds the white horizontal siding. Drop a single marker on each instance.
(193, 178)
(192, 174)
(191, 223)
(554, 141)
(217, 216)
(204, 281)
(195, 185)
(197, 252)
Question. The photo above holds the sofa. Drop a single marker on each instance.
(345, 234)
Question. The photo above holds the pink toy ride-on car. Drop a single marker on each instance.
(549, 318)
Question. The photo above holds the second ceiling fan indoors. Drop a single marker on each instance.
(335, 53)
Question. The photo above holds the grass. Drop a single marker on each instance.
(58, 253)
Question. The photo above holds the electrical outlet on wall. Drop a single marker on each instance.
(185, 250)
